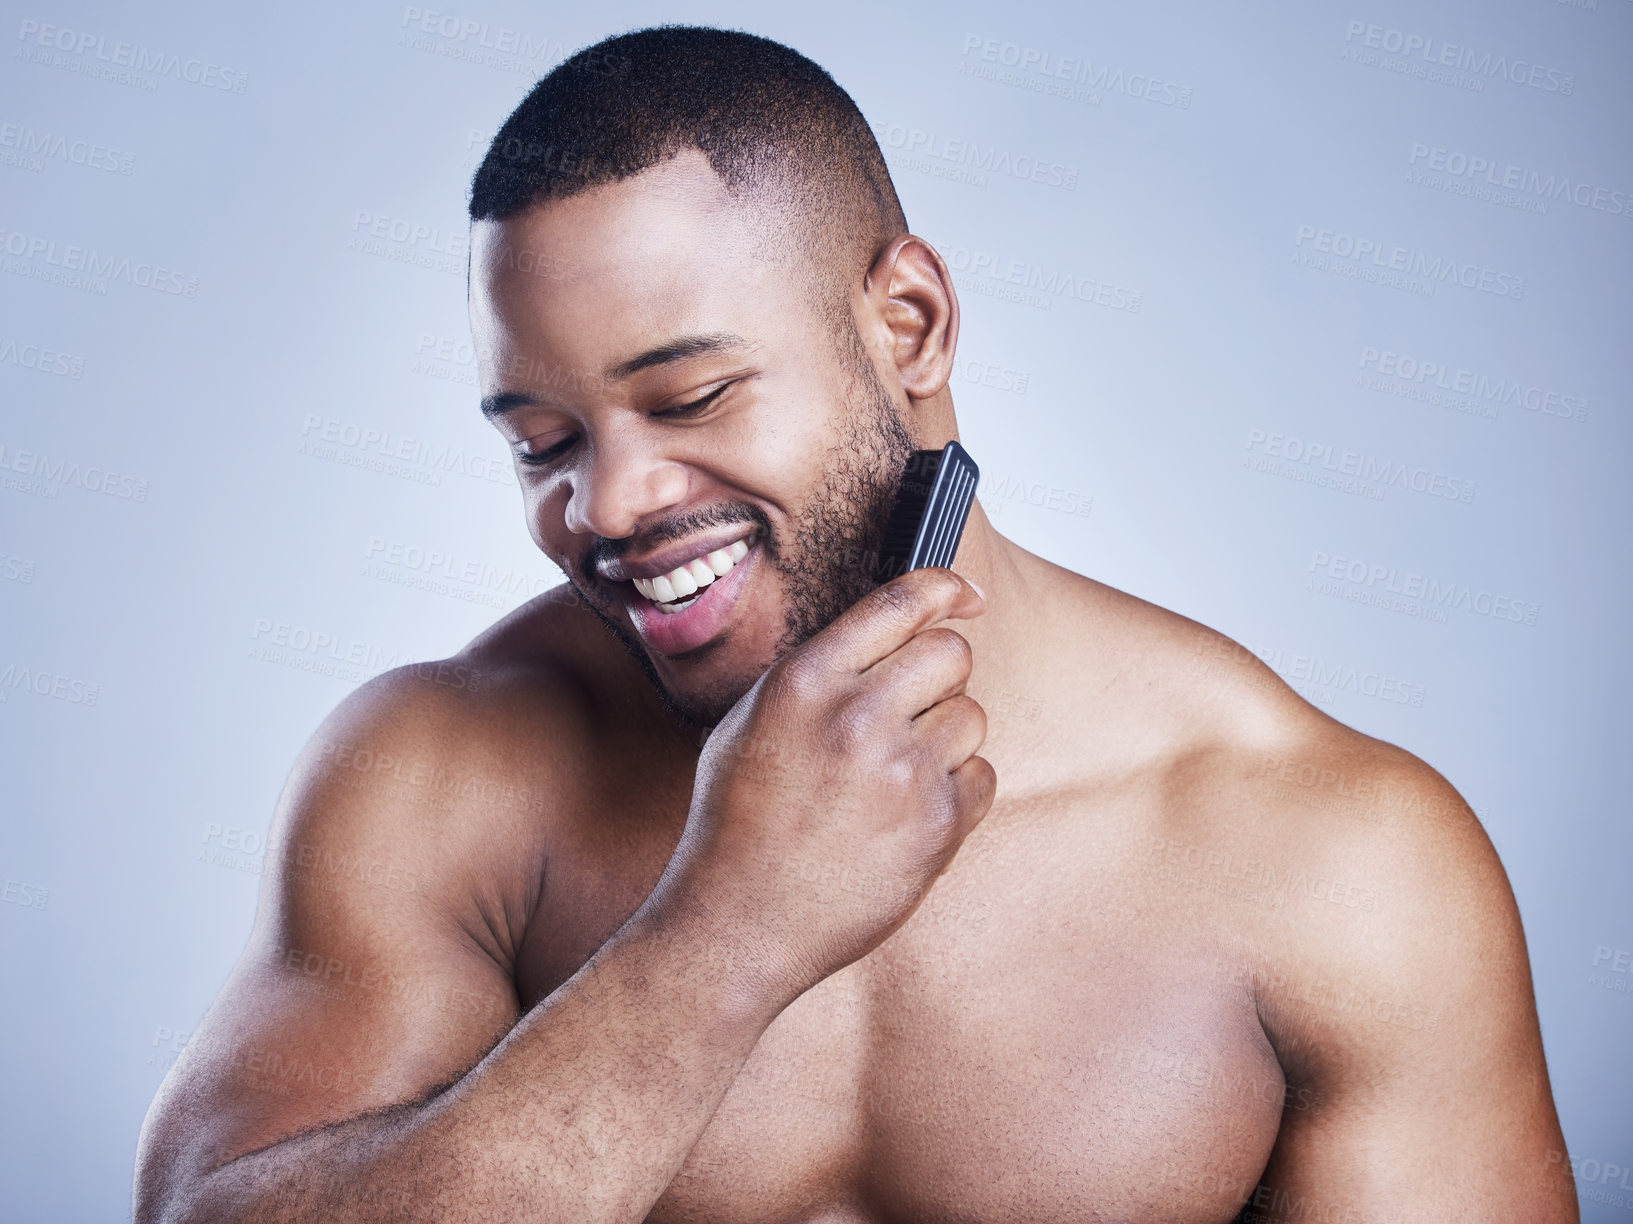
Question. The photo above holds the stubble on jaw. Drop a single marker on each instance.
(838, 532)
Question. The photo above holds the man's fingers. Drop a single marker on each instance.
(956, 726)
(930, 667)
(889, 616)
(977, 784)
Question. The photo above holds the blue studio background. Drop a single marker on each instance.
(1307, 320)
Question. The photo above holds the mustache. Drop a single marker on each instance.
(677, 528)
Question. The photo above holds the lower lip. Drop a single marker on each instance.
(700, 622)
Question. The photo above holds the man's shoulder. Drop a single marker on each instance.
(1218, 713)
(549, 660)
(1331, 797)
(1358, 890)
(494, 735)
(1355, 837)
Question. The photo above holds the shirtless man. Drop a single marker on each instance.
(987, 894)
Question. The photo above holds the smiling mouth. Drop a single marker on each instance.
(680, 588)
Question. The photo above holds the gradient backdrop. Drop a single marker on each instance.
(1309, 321)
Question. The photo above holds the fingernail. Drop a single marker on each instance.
(978, 590)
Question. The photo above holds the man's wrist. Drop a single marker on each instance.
(734, 969)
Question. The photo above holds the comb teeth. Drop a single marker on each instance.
(902, 528)
(932, 506)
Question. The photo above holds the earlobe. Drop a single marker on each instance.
(918, 312)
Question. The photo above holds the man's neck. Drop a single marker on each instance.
(1011, 677)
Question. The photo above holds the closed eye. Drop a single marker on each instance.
(536, 459)
(697, 405)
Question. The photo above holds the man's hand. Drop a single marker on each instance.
(856, 751)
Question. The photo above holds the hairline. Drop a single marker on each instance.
(774, 191)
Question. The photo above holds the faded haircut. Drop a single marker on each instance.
(776, 128)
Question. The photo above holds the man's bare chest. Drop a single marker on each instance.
(1031, 1045)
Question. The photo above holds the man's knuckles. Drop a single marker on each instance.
(856, 725)
(800, 681)
(959, 726)
(948, 648)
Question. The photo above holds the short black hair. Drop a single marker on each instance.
(770, 121)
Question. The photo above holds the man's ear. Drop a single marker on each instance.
(915, 313)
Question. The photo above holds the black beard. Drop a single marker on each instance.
(833, 558)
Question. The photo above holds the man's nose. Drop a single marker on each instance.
(624, 482)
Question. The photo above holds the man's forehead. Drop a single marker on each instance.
(593, 278)
(675, 213)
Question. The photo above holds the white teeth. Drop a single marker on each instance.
(686, 580)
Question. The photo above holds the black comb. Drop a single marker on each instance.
(932, 505)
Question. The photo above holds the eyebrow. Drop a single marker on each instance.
(507, 401)
(678, 349)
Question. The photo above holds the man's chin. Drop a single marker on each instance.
(697, 705)
(701, 704)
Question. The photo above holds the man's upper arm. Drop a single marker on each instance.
(372, 975)
(1412, 1021)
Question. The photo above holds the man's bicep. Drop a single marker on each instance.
(361, 986)
(1446, 1138)
(1415, 1031)
(305, 1036)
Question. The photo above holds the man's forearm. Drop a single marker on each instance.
(584, 1112)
